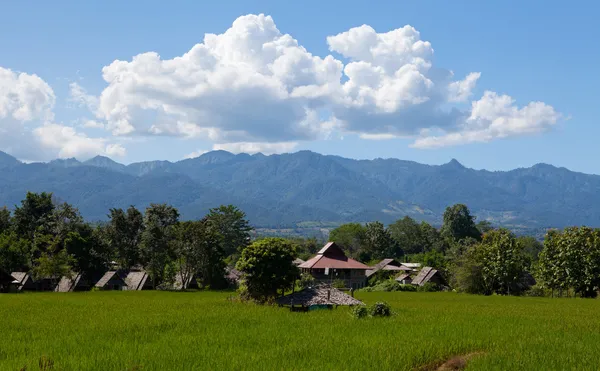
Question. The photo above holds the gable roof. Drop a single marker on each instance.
(424, 276)
(402, 277)
(107, 277)
(298, 261)
(22, 277)
(331, 256)
(319, 295)
(388, 265)
(135, 280)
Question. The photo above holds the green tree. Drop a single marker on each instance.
(550, 271)
(459, 224)
(157, 255)
(89, 254)
(531, 247)
(33, 212)
(378, 243)
(267, 268)
(124, 232)
(432, 239)
(350, 237)
(484, 226)
(14, 252)
(54, 261)
(232, 225)
(408, 235)
(198, 247)
(503, 262)
(5, 220)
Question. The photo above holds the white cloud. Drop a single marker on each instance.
(66, 142)
(254, 84)
(195, 154)
(264, 148)
(383, 136)
(92, 124)
(496, 116)
(80, 96)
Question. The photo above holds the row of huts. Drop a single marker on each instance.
(135, 279)
(328, 265)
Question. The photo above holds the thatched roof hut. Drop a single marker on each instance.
(136, 280)
(27, 282)
(77, 282)
(318, 295)
(428, 274)
(388, 265)
(111, 281)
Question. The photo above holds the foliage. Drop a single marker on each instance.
(306, 280)
(378, 243)
(350, 237)
(359, 311)
(429, 287)
(53, 263)
(338, 284)
(531, 248)
(458, 223)
(35, 209)
(14, 252)
(123, 232)
(267, 268)
(390, 285)
(5, 220)
(232, 225)
(408, 234)
(484, 227)
(380, 309)
(156, 251)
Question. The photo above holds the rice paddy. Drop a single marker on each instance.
(206, 331)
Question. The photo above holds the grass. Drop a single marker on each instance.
(203, 330)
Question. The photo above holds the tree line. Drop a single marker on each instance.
(51, 240)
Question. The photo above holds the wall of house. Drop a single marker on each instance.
(353, 278)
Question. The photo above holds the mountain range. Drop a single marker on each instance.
(291, 190)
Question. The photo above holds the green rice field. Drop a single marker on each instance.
(206, 331)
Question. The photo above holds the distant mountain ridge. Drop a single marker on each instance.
(288, 189)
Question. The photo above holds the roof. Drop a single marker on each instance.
(67, 284)
(21, 277)
(331, 256)
(135, 280)
(319, 295)
(403, 277)
(387, 265)
(107, 277)
(424, 276)
(412, 265)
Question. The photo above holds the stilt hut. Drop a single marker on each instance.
(317, 297)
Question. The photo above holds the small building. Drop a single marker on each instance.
(8, 283)
(77, 282)
(404, 279)
(136, 280)
(428, 274)
(27, 283)
(331, 263)
(318, 296)
(390, 265)
(111, 281)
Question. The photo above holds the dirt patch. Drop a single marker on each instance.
(452, 364)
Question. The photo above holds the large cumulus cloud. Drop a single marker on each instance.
(27, 127)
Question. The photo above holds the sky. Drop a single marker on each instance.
(495, 85)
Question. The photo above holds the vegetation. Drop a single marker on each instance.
(155, 330)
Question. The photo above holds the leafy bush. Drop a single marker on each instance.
(390, 285)
(306, 280)
(380, 309)
(429, 287)
(535, 291)
(339, 284)
(359, 311)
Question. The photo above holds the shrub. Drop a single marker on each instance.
(380, 309)
(407, 288)
(339, 284)
(359, 311)
(429, 287)
(535, 291)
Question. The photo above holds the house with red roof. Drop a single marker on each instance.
(331, 264)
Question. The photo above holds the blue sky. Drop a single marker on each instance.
(534, 51)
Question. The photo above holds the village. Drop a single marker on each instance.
(328, 265)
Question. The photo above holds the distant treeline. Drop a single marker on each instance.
(51, 240)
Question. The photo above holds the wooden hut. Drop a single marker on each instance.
(404, 279)
(191, 283)
(428, 274)
(331, 263)
(111, 281)
(389, 265)
(77, 282)
(318, 296)
(27, 282)
(136, 280)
